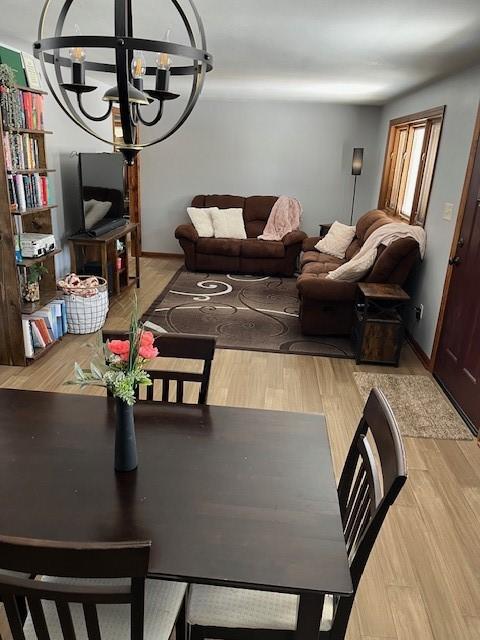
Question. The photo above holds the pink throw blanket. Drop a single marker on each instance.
(284, 217)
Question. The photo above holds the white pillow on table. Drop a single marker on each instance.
(201, 218)
(337, 240)
(228, 223)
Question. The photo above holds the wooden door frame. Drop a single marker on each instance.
(474, 148)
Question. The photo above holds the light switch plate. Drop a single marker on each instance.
(447, 211)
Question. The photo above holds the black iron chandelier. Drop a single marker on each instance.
(130, 69)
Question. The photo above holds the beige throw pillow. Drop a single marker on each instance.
(202, 220)
(355, 269)
(228, 223)
(337, 240)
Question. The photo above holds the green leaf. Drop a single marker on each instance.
(79, 372)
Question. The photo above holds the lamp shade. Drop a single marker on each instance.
(357, 161)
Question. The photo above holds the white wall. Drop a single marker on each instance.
(67, 139)
(460, 93)
(259, 148)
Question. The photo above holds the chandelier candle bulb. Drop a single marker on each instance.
(139, 66)
(164, 62)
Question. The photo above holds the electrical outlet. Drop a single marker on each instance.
(419, 312)
(447, 211)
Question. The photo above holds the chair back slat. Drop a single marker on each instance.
(69, 564)
(150, 390)
(13, 616)
(91, 622)
(179, 390)
(38, 618)
(66, 622)
(180, 346)
(165, 389)
(367, 490)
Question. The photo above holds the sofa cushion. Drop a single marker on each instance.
(353, 249)
(366, 221)
(201, 218)
(252, 248)
(337, 240)
(228, 223)
(315, 257)
(219, 246)
(321, 267)
(256, 213)
(224, 201)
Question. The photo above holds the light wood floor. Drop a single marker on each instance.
(423, 579)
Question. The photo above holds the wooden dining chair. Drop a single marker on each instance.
(178, 345)
(365, 495)
(99, 592)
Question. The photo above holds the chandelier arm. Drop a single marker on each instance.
(121, 18)
(197, 86)
(156, 119)
(40, 54)
(90, 117)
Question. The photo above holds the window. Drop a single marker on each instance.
(409, 165)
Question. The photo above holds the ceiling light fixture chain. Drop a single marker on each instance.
(130, 71)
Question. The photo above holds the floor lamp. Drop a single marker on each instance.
(357, 164)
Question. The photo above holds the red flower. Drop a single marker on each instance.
(148, 352)
(119, 348)
(146, 339)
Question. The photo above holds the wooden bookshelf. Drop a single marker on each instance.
(31, 210)
(30, 171)
(28, 262)
(39, 91)
(36, 220)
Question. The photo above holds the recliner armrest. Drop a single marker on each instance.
(187, 232)
(325, 290)
(294, 237)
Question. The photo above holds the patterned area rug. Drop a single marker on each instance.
(243, 312)
(421, 409)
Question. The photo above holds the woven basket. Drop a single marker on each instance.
(86, 314)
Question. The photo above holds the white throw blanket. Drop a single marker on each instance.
(360, 264)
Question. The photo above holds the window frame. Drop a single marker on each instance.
(407, 124)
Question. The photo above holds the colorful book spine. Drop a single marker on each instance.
(29, 110)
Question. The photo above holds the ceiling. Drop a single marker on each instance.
(350, 51)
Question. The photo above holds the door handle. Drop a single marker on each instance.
(454, 261)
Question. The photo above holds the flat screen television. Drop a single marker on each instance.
(102, 192)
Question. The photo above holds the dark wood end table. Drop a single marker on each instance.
(84, 247)
(378, 328)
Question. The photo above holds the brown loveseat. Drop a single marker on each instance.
(252, 256)
(327, 306)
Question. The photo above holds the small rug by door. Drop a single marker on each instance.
(244, 312)
(421, 409)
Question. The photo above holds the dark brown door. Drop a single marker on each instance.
(457, 364)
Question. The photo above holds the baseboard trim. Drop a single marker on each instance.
(161, 254)
(419, 352)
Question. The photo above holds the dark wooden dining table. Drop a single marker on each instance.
(228, 496)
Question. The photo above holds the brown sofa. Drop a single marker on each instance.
(252, 256)
(327, 306)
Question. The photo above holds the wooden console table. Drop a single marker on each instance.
(378, 328)
(104, 249)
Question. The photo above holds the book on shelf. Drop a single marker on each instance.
(44, 327)
(28, 191)
(21, 151)
(23, 110)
